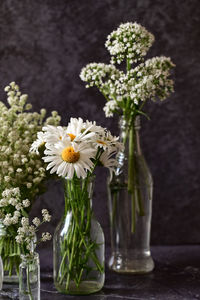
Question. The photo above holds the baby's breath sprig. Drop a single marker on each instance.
(26, 233)
(19, 127)
(22, 173)
(12, 207)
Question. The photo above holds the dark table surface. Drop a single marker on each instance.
(176, 276)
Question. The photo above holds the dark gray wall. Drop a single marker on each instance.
(43, 46)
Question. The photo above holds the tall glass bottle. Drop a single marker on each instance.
(130, 206)
(78, 242)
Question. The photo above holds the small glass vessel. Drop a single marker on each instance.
(11, 262)
(130, 206)
(29, 277)
(78, 243)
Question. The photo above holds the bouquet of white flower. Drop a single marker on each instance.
(22, 173)
(127, 92)
(73, 153)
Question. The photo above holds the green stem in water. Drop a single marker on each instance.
(71, 260)
(140, 203)
(131, 163)
(131, 177)
(28, 283)
(77, 248)
(93, 255)
(133, 212)
(10, 254)
(114, 207)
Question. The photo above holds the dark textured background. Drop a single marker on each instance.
(43, 46)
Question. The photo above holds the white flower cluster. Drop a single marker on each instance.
(126, 92)
(46, 236)
(110, 107)
(130, 41)
(98, 74)
(75, 150)
(26, 233)
(106, 79)
(12, 206)
(149, 80)
(18, 130)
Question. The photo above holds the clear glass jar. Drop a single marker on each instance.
(78, 243)
(10, 254)
(11, 262)
(29, 277)
(130, 206)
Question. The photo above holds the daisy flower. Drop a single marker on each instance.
(81, 131)
(41, 140)
(54, 134)
(91, 126)
(68, 158)
(108, 142)
(108, 161)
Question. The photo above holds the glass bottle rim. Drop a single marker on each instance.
(29, 257)
(123, 122)
(77, 181)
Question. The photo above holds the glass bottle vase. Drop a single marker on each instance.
(29, 277)
(78, 242)
(130, 205)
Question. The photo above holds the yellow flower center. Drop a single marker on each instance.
(72, 136)
(69, 155)
(101, 142)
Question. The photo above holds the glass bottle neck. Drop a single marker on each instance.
(130, 133)
(30, 258)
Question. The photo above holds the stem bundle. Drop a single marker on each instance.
(77, 247)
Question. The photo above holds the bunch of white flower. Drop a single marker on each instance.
(22, 174)
(127, 92)
(26, 233)
(131, 41)
(12, 206)
(149, 80)
(77, 149)
(98, 74)
(18, 130)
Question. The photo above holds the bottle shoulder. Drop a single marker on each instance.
(140, 169)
